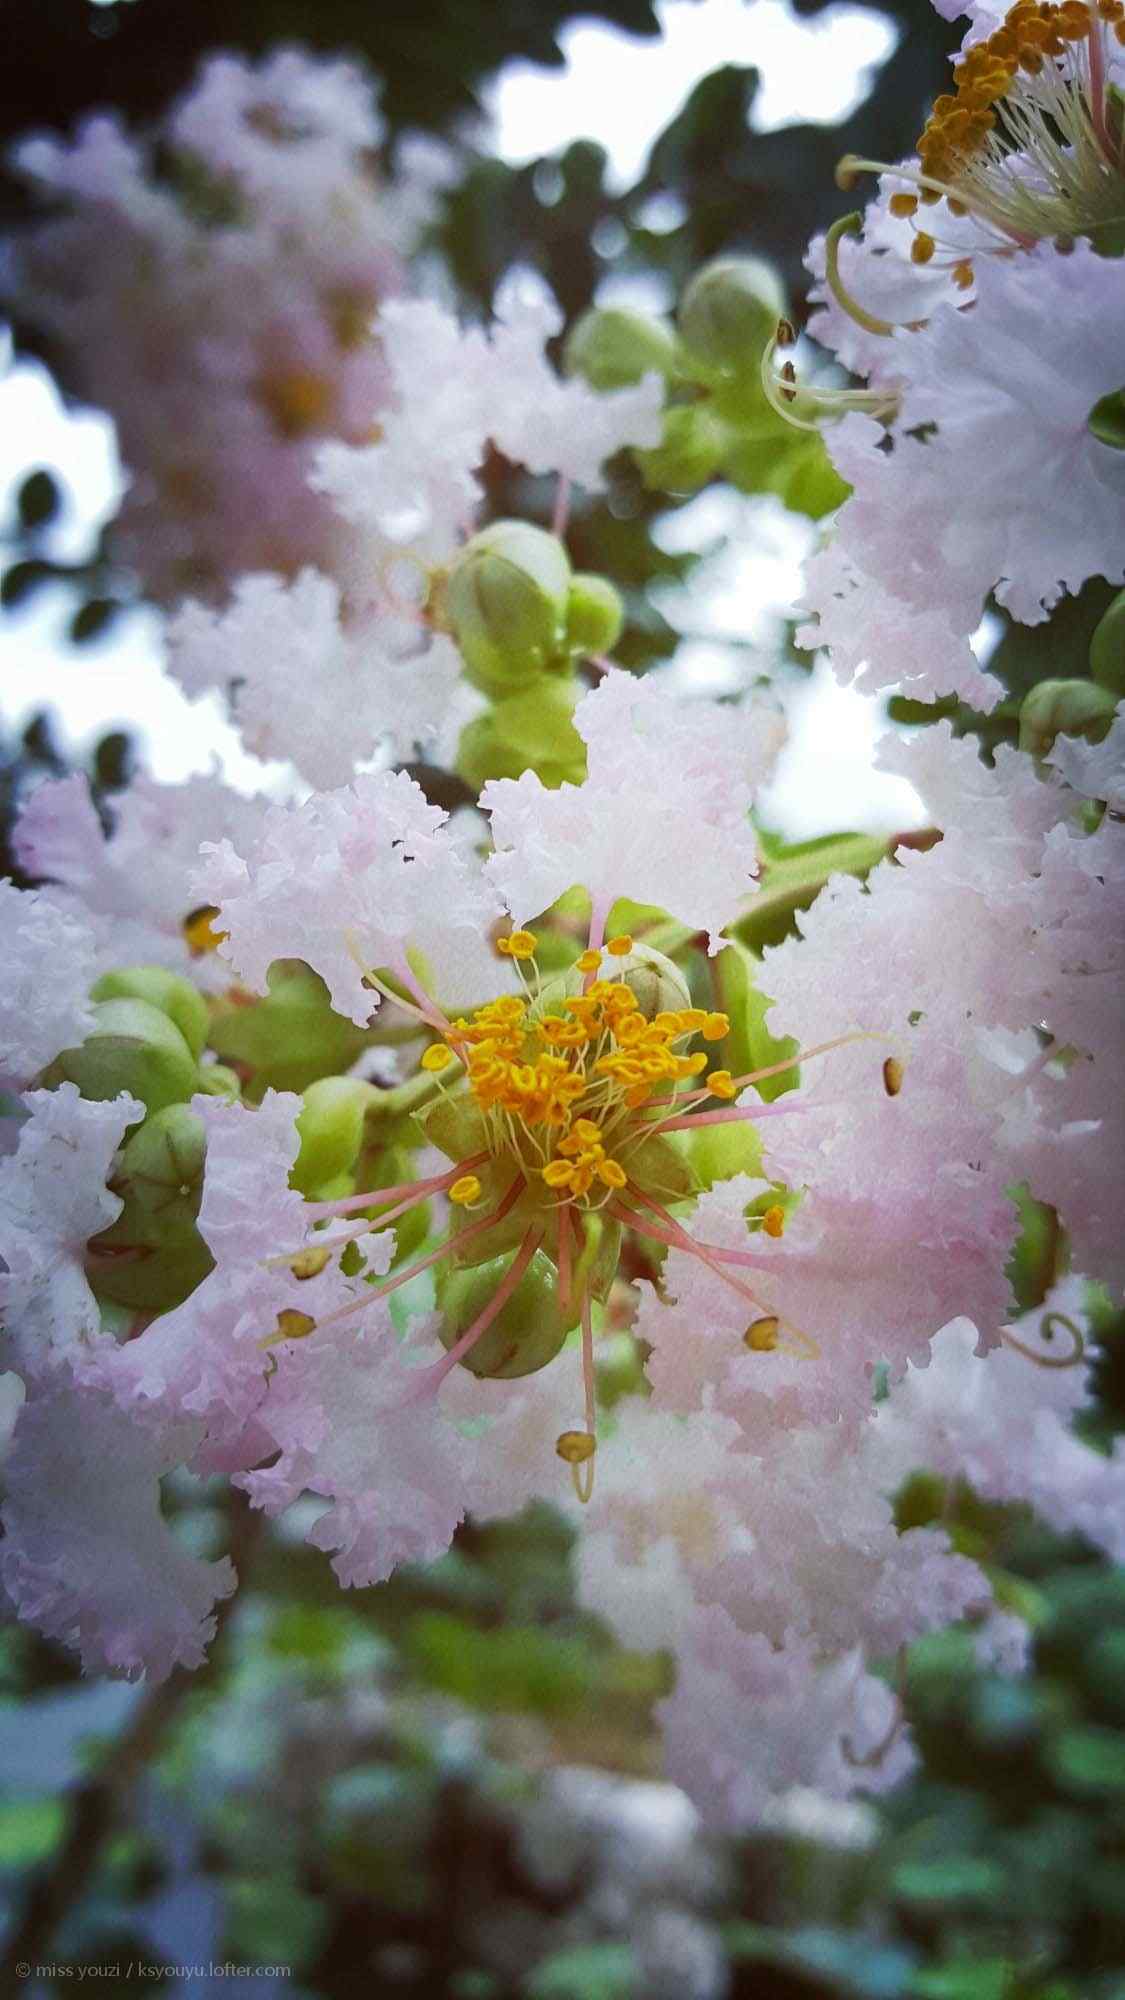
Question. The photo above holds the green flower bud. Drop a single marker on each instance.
(390, 1168)
(216, 1080)
(290, 1037)
(729, 312)
(1107, 648)
(612, 349)
(690, 452)
(174, 996)
(160, 1177)
(1070, 708)
(132, 1046)
(527, 1332)
(595, 615)
(505, 600)
(330, 1126)
(152, 1258)
(527, 732)
(1107, 420)
(656, 981)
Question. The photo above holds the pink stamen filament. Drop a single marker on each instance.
(678, 1239)
(406, 1191)
(431, 1379)
(564, 1255)
(561, 514)
(423, 1264)
(427, 1007)
(583, 1475)
(731, 1114)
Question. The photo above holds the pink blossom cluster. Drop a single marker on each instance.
(213, 288)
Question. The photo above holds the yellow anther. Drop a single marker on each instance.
(519, 944)
(692, 1018)
(761, 1336)
(200, 935)
(620, 947)
(922, 248)
(293, 1325)
(437, 1056)
(721, 1083)
(903, 204)
(691, 1065)
(714, 1027)
(588, 961)
(558, 1173)
(892, 1076)
(466, 1190)
(612, 1173)
(585, 1129)
(773, 1221)
(575, 1447)
(309, 1263)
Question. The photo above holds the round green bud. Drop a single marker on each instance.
(729, 311)
(1107, 648)
(505, 601)
(143, 1277)
(527, 732)
(216, 1080)
(330, 1127)
(174, 996)
(132, 1046)
(595, 615)
(527, 1332)
(693, 447)
(1070, 708)
(612, 349)
(160, 1177)
(656, 982)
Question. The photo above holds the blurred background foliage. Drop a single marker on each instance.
(449, 1786)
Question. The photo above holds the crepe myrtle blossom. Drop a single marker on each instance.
(412, 496)
(127, 890)
(558, 1103)
(216, 297)
(296, 664)
(44, 1000)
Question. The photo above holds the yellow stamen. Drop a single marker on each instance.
(762, 1335)
(620, 947)
(575, 1447)
(773, 1221)
(721, 1083)
(466, 1190)
(714, 1027)
(437, 1056)
(892, 1076)
(588, 961)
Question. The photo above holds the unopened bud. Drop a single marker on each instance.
(729, 311)
(693, 446)
(160, 1176)
(595, 615)
(1107, 648)
(134, 1047)
(505, 600)
(527, 732)
(1069, 708)
(174, 996)
(613, 349)
(217, 1080)
(330, 1128)
(527, 1332)
(656, 982)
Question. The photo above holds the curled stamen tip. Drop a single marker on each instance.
(1046, 1329)
(786, 335)
(847, 173)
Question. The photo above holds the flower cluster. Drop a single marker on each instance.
(356, 1141)
(213, 290)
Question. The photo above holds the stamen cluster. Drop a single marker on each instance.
(559, 1078)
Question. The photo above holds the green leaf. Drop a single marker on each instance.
(30, 1830)
(586, 1972)
(1089, 1760)
(750, 1045)
(964, 1878)
(793, 877)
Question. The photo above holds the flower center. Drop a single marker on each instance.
(570, 1085)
